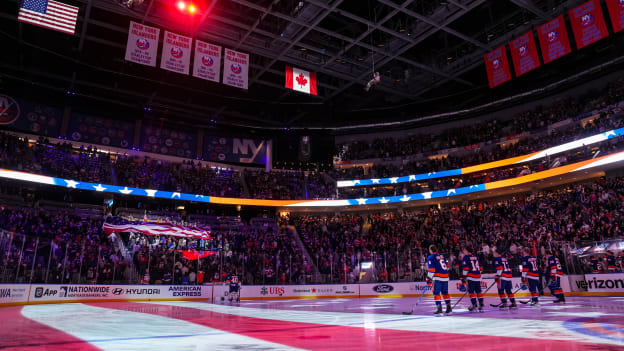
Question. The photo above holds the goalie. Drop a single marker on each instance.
(235, 288)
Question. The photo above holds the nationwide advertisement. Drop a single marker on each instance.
(616, 11)
(142, 46)
(176, 53)
(553, 38)
(524, 54)
(236, 69)
(588, 23)
(497, 67)
(207, 62)
(65, 293)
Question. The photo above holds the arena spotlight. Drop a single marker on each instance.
(181, 5)
(192, 9)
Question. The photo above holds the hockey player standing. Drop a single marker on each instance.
(611, 264)
(555, 277)
(472, 277)
(438, 276)
(530, 274)
(503, 281)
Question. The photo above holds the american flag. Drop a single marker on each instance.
(49, 14)
(158, 229)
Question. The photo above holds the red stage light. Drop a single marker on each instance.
(192, 9)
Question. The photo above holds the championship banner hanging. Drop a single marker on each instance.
(207, 62)
(588, 24)
(142, 46)
(300, 80)
(236, 69)
(524, 54)
(553, 38)
(176, 53)
(497, 67)
(616, 10)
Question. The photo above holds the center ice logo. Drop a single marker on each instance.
(496, 63)
(176, 52)
(142, 43)
(552, 36)
(523, 51)
(207, 61)
(236, 68)
(587, 20)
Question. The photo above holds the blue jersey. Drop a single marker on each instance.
(529, 267)
(502, 268)
(472, 269)
(554, 266)
(596, 265)
(611, 263)
(438, 267)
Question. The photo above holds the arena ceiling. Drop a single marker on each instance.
(429, 54)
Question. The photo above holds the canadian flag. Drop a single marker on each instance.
(300, 80)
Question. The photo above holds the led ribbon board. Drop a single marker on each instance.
(598, 138)
(600, 161)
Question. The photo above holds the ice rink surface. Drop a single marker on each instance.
(583, 323)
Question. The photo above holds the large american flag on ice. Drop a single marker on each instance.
(49, 14)
(158, 229)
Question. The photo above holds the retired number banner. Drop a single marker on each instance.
(176, 53)
(616, 10)
(524, 54)
(553, 38)
(142, 46)
(207, 63)
(235, 69)
(588, 24)
(497, 67)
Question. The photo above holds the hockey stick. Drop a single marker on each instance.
(522, 302)
(417, 302)
(486, 290)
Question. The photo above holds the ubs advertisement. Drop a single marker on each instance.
(294, 291)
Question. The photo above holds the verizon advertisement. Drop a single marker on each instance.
(62, 293)
(497, 67)
(616, 11)
(603, 283)
(524, 54)
(588, 24)
(553, 38)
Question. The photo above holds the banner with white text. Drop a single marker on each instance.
(207, 62)
(142, 46)
(176, 53)
(236, 69)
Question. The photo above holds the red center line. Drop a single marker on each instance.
(312, 336)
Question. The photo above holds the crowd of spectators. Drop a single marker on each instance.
(56, 248)
(466, 135)
(554, 219)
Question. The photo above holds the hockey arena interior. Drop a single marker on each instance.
(312, 175)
